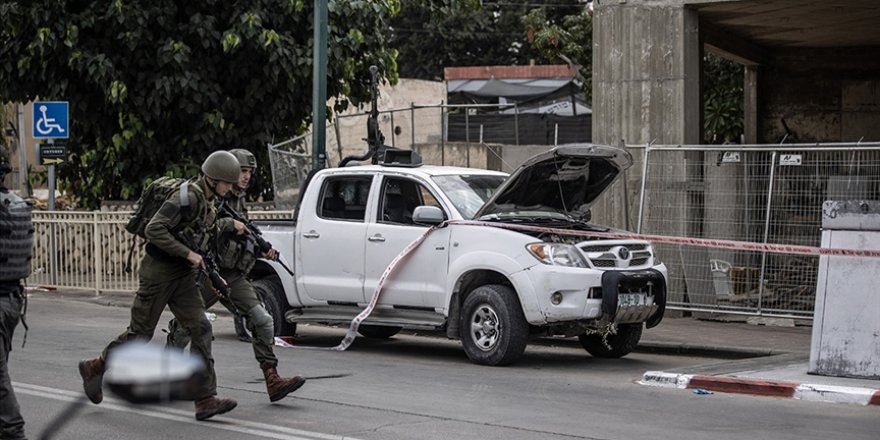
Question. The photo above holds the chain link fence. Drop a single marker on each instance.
(443, 134)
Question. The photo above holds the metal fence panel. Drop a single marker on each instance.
(764, 194)
(290, 162)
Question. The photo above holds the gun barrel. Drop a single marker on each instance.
(219, 284)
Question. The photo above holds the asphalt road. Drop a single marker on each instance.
(408, 387)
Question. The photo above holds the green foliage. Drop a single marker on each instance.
(723, 100)
(434, 34)
(562, 40)
(155, 86)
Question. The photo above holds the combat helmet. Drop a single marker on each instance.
(245, 158)
(222, 166)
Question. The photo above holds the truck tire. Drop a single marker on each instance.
(275, 301)
(377, 331)
(494, 330)
(622, 344)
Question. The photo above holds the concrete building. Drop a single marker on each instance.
(814, 62)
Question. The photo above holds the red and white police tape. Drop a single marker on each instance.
(701, 242)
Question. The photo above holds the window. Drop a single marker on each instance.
(400, 197)
(345, 198)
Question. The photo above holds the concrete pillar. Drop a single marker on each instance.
(646, 89)
(846, 325)
(750, 106)
(646, 71)
(646, 68)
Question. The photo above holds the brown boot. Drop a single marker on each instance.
(279, 387)
(92, 372)
(211, 406)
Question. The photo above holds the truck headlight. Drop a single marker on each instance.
(556, 254)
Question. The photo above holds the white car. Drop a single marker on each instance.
(492, 284)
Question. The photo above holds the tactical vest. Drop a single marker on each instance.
(196, 227)
(237, 251)
(16, 237)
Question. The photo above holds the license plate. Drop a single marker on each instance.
(632, 299)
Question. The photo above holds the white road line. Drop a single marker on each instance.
(177, 415)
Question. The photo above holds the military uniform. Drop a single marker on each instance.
(16, 250)
(236, 255)
(166, 277)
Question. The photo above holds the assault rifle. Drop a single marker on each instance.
(211, 271)
(254, 232)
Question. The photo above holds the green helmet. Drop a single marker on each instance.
(222, 166)
(245, 158)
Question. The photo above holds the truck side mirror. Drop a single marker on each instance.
(428, 215)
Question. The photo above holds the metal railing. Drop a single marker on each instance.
(90, 250)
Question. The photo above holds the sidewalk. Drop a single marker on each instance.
(752, 359)
(772, 361)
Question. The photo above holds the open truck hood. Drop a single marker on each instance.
(566, 180)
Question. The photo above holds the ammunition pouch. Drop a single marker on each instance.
(236, 252)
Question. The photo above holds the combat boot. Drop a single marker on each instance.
(92, 372)
(278, 387)
(212, 406)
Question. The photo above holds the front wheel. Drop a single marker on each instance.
(493, 327)
(619, 345)
(275, 301)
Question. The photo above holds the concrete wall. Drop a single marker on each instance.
(425, 126)
(825, 95)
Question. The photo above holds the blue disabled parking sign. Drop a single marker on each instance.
(50, 120)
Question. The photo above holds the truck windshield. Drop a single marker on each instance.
(468, 192)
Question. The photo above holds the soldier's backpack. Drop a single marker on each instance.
(152, 198)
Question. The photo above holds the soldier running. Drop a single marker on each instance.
(166, 277)
(236, 256)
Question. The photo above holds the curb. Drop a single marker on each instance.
(726, 352)
(761, 387)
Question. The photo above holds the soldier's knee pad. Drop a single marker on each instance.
(264, 328)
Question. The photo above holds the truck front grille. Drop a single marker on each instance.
(617, 254)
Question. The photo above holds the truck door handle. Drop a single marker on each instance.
(377, 237)
(311, 234)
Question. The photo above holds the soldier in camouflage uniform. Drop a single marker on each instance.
(166, 277)
(16, 250)
(236, 255)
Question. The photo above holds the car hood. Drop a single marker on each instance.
(566, 179)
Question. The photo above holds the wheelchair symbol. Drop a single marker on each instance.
(46, 125)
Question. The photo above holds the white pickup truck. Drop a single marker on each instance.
(491, 287)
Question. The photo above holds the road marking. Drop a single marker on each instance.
(178, 415)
